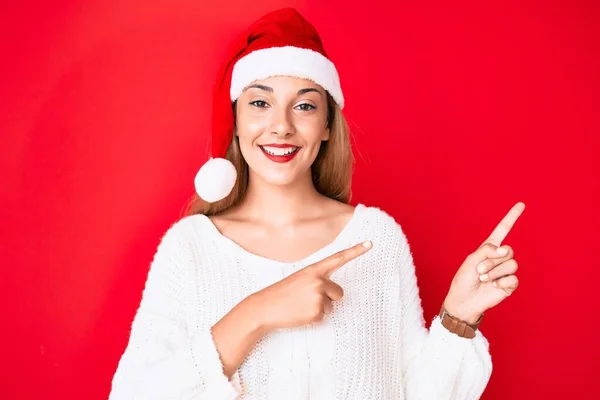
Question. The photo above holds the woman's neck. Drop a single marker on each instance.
(281, 204)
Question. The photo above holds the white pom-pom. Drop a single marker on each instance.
(215, 179)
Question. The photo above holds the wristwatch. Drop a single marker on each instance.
(458, 326)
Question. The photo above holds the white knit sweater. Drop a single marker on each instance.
(373, 345)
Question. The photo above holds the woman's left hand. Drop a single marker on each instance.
(487, 275)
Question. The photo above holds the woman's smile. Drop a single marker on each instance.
(280, 153)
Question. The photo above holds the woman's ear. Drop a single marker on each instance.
(326, 134)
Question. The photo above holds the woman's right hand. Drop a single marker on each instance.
(304, 296)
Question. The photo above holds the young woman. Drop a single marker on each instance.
(274, 287)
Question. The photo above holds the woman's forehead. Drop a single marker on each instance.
(284, 84)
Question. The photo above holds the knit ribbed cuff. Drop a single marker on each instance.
(450, 343)
(210, 368)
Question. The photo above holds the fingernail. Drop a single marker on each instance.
(481, 268)
(483, 277)
(502, 251)
(495, 284)
(367, 244)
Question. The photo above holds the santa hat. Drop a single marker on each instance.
(282, 42)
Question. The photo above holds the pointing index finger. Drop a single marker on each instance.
(334, 262)
(504, 227)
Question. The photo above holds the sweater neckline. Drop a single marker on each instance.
(238, 249)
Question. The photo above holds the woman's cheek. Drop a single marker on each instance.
(255, 125)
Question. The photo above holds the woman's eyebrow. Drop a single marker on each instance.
(262, 87)
(306, 90)
(270, 89)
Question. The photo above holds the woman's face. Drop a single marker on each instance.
(280, 123)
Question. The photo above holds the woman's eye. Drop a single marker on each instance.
(259, 103)
(306, 107)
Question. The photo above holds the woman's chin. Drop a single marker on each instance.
(280, 175)
(282, 180)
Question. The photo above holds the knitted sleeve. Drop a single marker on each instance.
(163, 359)
(435, 364)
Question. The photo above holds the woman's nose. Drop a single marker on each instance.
(281, 123)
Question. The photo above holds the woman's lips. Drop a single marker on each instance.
(280, 153)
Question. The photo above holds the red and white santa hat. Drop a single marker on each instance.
(281, 42)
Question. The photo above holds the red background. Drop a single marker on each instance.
(459, 111)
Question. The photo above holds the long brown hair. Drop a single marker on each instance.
(331, 170)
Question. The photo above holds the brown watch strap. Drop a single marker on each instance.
(458, 326)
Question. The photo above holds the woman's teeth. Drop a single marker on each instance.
(279, 151)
